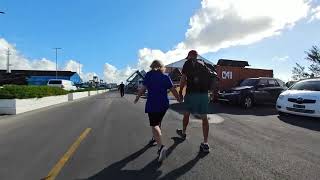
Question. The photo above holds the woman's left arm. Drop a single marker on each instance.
(140, 92)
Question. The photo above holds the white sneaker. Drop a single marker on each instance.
(162, 153)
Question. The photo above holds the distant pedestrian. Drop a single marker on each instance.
(157, 84)
(196, 99)
(121, 89)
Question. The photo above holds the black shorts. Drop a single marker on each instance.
(155, 118)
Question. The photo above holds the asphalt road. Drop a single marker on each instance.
(253, 144)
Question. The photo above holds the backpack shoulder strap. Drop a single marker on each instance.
(200, 61)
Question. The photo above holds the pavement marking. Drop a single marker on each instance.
(213, 119)
(57, 168)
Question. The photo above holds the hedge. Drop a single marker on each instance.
(25, 92)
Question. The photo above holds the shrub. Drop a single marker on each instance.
(25, 92)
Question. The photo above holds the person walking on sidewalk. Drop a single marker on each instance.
(157, 84)
(196, 99)
(121, 89)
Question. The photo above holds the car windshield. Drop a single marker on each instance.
(307, 86)
(249, 82)
(54, 82)
(281, 83)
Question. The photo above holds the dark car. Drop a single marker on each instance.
(254, 91)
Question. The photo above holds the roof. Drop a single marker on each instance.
(39, 72)
(179, 64)
(262, 78)
(233, 63)
(175, 75)
(137, 75)
(311, 79)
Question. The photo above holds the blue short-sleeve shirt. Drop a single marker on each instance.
(157, 85)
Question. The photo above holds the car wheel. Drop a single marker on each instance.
(247, 102)
(281, 113)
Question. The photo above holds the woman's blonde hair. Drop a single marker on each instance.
(157, 65)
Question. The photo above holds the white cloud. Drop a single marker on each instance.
(225, 23)
(280, 59)
(315, 14)
(43, 64)
(75, 66)
(113, 75)
(19, 62)
(146, 56)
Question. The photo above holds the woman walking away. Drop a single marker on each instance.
(157, 84)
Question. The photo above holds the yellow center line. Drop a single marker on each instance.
(57, 168)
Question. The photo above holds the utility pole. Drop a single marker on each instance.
(8, 61)
(56, 49)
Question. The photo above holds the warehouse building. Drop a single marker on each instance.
(36, 77)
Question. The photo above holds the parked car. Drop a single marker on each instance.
(84, 86)
(303, 98)
(254, 91)
(64, 84)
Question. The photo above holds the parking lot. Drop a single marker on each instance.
(267, 113)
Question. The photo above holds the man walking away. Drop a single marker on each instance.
(121, 88)
(195, 77)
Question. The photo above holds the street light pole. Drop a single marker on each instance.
(8, 61)
(79, 68)
(56, 61)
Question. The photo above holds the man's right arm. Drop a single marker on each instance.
(183, 80)
(183, 83)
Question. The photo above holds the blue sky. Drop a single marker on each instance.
(94, 31)
(114, 32)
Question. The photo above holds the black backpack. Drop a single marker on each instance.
(204, 75)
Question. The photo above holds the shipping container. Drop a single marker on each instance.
(232, 76)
